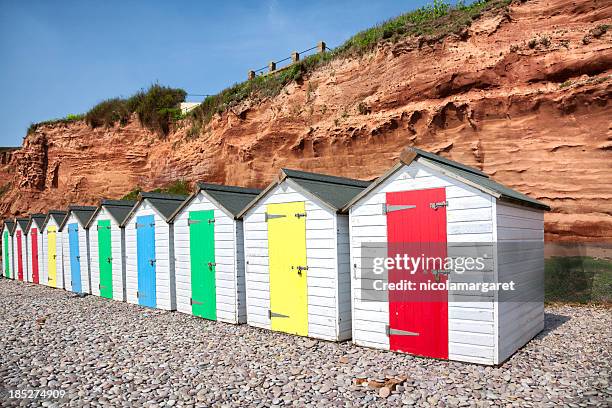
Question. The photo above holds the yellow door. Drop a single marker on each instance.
(51, 255)
(287, 258)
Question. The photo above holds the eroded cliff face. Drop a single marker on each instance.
(522, 95)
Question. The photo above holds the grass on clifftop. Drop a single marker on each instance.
(181, 187)
(156, 108)
(438, 19)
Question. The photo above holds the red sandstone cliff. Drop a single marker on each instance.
(534, 115)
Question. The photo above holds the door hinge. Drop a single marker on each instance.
(109, 259)
(152, 261)
(300, 215)
(138, 294)
(437, 272)
(437, 205)
(397, 332)
(271, 314)
(211, 221)
(194, 302)
(272, 216)
(387, 208)
(300, 269)
(211, 264)
(191, 222)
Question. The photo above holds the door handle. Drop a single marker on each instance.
(211, 264)
(78, 258)
(151, 262)
(109, 259)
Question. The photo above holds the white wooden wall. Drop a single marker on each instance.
(472, 330)
(344, 277)
(116, 253)
(59, 259)
(43, 278)
(10, 249)
(24, 268)
(40, 254)
(520, 233)
(321, 253)
(83, 251)
(166, 296)
(229, 300)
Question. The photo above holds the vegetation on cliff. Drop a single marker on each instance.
(436, 20)
(156, 108)
(181, 187)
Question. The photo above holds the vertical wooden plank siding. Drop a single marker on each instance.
(322, 262)
(229, 298)
(471, 323)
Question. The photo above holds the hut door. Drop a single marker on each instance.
(288, 270)
(203, 266)
(145, 247)
(52, 256)
(105, 258)
(19, 256)
(34, 240)
(75, 257)
(416, 226)
(7, 269)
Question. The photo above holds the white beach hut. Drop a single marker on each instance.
(7, 248)
(149, 251)
(20, 245)
(107, 248)
(432, 208)
(209, 253)
(75, 248)
(297, 255)
(53, 268)
(34, 247)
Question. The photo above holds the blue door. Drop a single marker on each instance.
(75, 257)
(145, 247)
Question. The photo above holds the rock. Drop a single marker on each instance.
(384, 392)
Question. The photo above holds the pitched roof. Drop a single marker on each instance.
(57, 215)
(231, 198)
(23, 223)
(118, 209)
(82, 213)
(466, 174)
(38, 219)
(331, 190)
(10, 225)
(165, 204)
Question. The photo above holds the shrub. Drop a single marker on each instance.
(156, 109)
(181, 187)
(68, 119)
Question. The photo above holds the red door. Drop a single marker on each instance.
(19, 257)
(416, 227)
(34, 238)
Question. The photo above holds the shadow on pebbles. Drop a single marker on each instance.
(100, 352)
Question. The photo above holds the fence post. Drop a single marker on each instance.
(251, 74)
(321, 47)
(295, 56)
(272, 66)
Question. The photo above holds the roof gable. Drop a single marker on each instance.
(10, 226)
(57, 216)
(82, 213)
(164, 204)
(462, 173)
(333, 191)
(37, 220)
(117, 209)
(22, 223)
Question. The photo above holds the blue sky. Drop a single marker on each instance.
(62, 57)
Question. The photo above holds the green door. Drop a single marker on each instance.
(202, 250)
(105, 257)
(7, 262)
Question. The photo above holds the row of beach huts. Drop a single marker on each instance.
(290, 258)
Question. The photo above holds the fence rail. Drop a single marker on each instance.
(321, 47)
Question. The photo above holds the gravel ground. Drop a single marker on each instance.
(107, 353)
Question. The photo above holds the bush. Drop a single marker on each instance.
(180, 187)
(156, 109)
(68, 119)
